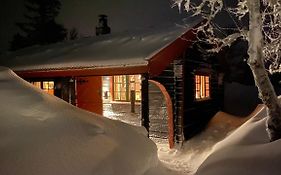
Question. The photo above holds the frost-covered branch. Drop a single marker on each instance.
(238, 13)
(215, 34)
(261, 27)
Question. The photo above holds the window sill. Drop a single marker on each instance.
(202, 99)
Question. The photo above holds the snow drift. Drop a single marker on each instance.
(41, 134)
(246, 151)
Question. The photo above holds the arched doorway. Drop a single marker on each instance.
(160, 112)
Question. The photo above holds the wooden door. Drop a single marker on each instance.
(89, 93)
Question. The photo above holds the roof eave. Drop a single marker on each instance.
(161, 60)
(72, 72)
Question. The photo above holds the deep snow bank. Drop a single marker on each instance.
(246, 151)
(41, 134)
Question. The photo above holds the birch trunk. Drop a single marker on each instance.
(255, 61)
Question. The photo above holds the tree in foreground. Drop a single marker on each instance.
(40, 27)
(259, 23)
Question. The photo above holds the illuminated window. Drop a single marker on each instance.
(120, 88)
(135, 84)
(123, 84)
(47, 86)
(202, 87)
(37, 84)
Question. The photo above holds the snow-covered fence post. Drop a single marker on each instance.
(263, 36)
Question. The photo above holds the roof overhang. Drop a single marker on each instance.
(176, 49)
(130, 53)
(74, 72)
(155, 65)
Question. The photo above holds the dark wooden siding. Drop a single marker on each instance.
(178, 98)
(198, 113)
(158, 116)
(159, 120)
(172, 79)
(190, 116)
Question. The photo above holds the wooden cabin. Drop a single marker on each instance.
(178, 90)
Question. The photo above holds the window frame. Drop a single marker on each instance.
(50, 89)
(202, 87)
(126, 83)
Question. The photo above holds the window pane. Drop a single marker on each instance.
(45, 85)
(37, 84)
(207, 93)
(138, 87)
(138, 96)
(117, 96)
(51, 85)
(124, 84)
(202, 87)
(123, 95)
(48, 86)
(119, 87)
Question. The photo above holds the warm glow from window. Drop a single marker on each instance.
(47, 86)
(37, 84)
(120, 87)
(124, 84)
(202, 87)
(135, 84)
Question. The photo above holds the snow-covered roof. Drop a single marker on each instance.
(127, 49)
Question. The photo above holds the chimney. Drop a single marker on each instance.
(102, 27)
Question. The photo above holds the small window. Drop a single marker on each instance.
(47, 86)
(202, 87)
(37, 84)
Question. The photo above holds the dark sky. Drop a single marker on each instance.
(82, 14)
(10, 11)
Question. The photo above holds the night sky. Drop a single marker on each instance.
(123, 15)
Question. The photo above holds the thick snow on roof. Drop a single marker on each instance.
(41, 134)
(124, 49)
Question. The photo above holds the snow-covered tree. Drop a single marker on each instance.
(40, 26)
(258, 22)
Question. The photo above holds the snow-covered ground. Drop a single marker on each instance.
(246, 151)
(187, 158)
(229, 145)
(41, 134)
